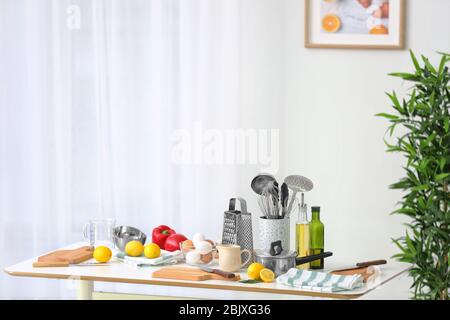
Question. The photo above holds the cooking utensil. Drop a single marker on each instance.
(361, 265)
(270, 207)
(365, 269)
(262, 203)
(266, 186)
(189, 274)
(297, 184)
(284, 199)
(219, 272)
(237, 226)
(124, 234)
(274, 190)
(280, 261)
(261, 182)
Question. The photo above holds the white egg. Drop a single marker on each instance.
(193, 257)
(198, 237)
(204, 247)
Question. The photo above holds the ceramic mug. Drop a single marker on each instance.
(230, 257)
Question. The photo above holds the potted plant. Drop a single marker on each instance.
(424, 140)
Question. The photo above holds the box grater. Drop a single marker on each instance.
(237, 227)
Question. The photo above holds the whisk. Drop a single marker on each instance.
(269, 205)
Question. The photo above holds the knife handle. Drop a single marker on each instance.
(370, 263)
(228, 275)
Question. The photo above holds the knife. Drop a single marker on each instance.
(228, 275)
(361, 265)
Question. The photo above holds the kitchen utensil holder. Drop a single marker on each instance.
(237, 227)
(272, 230)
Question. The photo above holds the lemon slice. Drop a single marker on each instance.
(267, 275)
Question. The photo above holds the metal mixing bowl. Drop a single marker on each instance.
(124, 234)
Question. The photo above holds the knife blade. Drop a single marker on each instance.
(228, 275)
(361, 265)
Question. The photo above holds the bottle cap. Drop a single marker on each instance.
(314, 209)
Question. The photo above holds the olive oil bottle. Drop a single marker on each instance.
(302, 239)
(316, 229)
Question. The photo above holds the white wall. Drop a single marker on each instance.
(326, 100)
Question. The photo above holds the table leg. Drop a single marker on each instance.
(85, 289)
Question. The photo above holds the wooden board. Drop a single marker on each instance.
(364, 272)
(190, 274)
(63, 258)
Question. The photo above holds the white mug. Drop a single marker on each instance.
(230, 257)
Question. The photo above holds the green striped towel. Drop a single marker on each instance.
(165, 258)
(319, 281)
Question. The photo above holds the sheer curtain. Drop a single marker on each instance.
(90, 93)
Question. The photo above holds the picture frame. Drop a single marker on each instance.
(355, 24)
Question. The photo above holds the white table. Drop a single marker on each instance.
(136, 278)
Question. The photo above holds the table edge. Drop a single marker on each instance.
(200, 285)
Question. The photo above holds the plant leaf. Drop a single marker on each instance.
(386, 115)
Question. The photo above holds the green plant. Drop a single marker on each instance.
(425, 142)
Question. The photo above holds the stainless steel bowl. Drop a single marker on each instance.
(124, 234)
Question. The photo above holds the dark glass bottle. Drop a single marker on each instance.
(316, 228)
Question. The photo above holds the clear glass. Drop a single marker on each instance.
(99, 232)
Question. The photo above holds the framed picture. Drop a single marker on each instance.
(364, 24)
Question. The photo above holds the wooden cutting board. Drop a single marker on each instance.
(63, 258)
(190, 274)
(364, 272)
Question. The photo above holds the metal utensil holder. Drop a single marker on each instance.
(237, 227)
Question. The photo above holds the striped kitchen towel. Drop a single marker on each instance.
(165, 258)
(319, 281)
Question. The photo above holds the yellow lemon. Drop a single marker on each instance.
(134, 248)
(152, 251)
(102, 254)
(254, 269)
(267, 275)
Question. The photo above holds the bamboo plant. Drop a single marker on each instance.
(424, 140)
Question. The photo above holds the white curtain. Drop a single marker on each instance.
(87, 112)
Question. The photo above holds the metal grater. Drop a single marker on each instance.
(237, 227)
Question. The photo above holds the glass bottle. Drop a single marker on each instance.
(316, 229)
(302, 235)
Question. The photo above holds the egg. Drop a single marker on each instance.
(193, 257)
(198, 237)
(187, 245)
(206, 258)
(204, 247)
